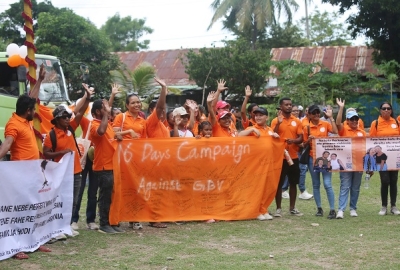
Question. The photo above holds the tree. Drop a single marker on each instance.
(77, 41)
(236, 63)
(378, 21)
(390, 70)
(11, 21)
(324, 31)
(125, 33)
(249, 18)
(286, 35)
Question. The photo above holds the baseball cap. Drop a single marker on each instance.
(313, 108)
(222, 104)
(300, 108)
(58, 112)
(350, 114)
(261, 110)
(179, 111)
(222, 114)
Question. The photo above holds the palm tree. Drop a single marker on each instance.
(254, 15)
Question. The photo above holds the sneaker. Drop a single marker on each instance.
(136, 225)
(278, 213)
(92, 226)
(295, 212)
(60, 237)
(107, 229)
(74, 226)
(285, 195)
(73, 233)
(353, 213)
(117, 229)
(320, 212)
(305, 195)
(383, 211)
(210, 221)
(332, 214)
(340, 214)
(394, 210)
(268, 216)
(261, 217)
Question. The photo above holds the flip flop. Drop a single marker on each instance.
(44, 249)
(20, 256)
(158, 225)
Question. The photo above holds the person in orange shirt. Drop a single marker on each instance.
(360, 121)
(289, 129)
(319, 128)
(220, 105)
(102, 134)
(221, 123)
(350, 182)
(246, 122)
(386, 125)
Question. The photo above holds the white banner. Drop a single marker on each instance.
(35, 203)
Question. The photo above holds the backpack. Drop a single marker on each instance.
(53, 139)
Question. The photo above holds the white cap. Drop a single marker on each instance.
(300, 108)
(179, 111)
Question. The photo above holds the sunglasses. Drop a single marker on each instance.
(354, 119)
(316, 112)
(66, 116)
(386, 108)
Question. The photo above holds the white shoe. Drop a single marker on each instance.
(268, 216)
(261, 217)
(74, 226)
(305, 195)
(353, 213)
(383, 211)
(92, 226)
(394, 210)
(137, 226)
(285, 195)
(61, 237)
(339, 214)
(74, 233)
(278, 213)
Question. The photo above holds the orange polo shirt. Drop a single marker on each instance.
(385, 127)
(305, 121)
(103, 148)
(155, 128)
(318, 131)
(218, 131)
(24, 146)
(347, 131)
(264, 131)
(247, 123)
(65, 140)
(232, 125)
(290, 128)
(137, 124)
(195, 129)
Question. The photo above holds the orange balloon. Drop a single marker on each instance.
(14, 60)
(24, 63)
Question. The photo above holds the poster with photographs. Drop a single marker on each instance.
(333, 154)
(382, 154)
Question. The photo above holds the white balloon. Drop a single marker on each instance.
(23, 51)
(12, 49)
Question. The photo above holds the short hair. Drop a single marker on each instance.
(325, 152)
(24, 103)
(251, 106)
(97, 105)
(334, 154)
(203, 124)
(283, 99)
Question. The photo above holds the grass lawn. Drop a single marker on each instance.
(368, 241)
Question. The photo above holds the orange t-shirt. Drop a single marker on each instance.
(103, 148)
(195, 129)
(155, 128)
(346, 131)
(290, 128)
(137, 124)
(305, 121)
(24, 146)
(218, 131)
(264, 131)
(318, 131)
(65, 140)
(84, 125)
(246, 124)
(232, 125)
(385, 127)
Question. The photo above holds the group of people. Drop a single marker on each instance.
(109, 124)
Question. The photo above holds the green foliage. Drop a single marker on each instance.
(124, 33)
(236, 63)
(390, 70)
(378, 21)
(286, 35)
(76, 40)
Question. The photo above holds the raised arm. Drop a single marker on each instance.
(82, 105)
(211, 112)
(339, 123)
(114, 91)
(101, 130)
(221, 87)
(247, 92)
(162, 100)
(192, 107)
(328, 115)
(34, 93)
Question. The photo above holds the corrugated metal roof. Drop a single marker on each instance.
(167, 64)
(335, 58)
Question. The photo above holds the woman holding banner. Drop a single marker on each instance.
(318, 129)
(386, 125)
(350, 182)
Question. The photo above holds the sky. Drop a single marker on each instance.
(176, 23)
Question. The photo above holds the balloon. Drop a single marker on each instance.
(12, 49)
(24, 63)
(23, 51)
(14, 60)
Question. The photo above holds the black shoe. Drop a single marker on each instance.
(332, 214)
(107, 229)
(117, 229)
(320, 212)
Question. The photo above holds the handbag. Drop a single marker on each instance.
(84, 145)
(305, 153)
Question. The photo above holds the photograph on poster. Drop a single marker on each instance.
(333, 154)
(383, 154)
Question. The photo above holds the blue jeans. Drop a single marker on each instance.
(316, 181)
(302, 179)
(350, 182)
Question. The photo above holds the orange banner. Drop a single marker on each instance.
(190, 179)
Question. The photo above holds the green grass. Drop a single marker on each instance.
(368, 242)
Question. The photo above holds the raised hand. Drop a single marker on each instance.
(191, 104)
(221, 85)
(106, 106)
(280, 116)
(160, 82)
(340, 102)
(89, 91)
(247, 91)
(177, 120)
(211, 96)
(115, 89)
(42, 72)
